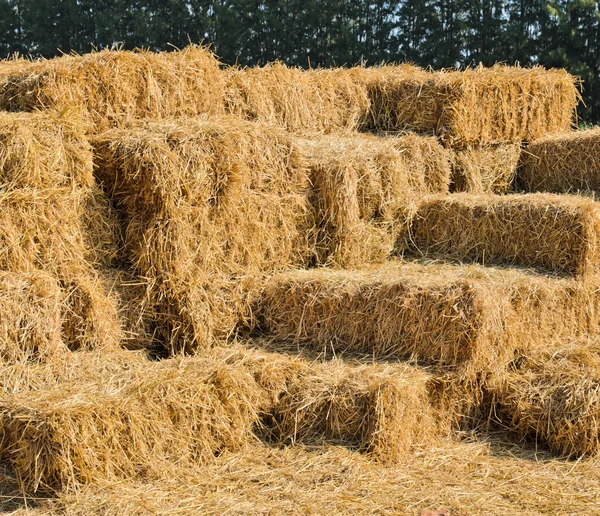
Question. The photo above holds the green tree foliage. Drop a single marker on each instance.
(437, 33)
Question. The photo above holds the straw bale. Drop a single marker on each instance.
(171, 411)
(210, 207)
(489, 169)
(480, 106)
(562, 163)
(553, 396)
(557, 233)
(109, 88)
(382, 410)
(30, 326)
(469, 318)
(361, 183)
(301, 101)
(43, 151)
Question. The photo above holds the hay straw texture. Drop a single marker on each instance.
(561, 163)
(48, 205)
(210, 207)
(482, 170)
(128, 427)
(381, 410)
(30, 326)
(554, 397)
(552, 232)
(480, 106)
(471, 318)
(301, 101)
(110, 88)
(361, 183)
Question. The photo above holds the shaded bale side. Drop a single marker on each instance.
(301, 101)
(110, 88)
(381, 410)
(482, 170)
(30, 326)
(480, 106)
(553, 232)
(563, 163)
(466, 318)
(553, 396)
(210, 208)
(183, 412)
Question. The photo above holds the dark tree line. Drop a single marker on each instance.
(440, 33)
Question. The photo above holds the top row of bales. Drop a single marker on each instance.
(478, 106)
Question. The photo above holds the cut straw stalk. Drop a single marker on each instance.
(489, 169)
(553, 396)
(480, 106)
(465, 317)
(382, 410)
(111, 88)
(562, 163)
(552, 232)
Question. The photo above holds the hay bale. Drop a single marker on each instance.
(110, 88)
(470, 318)
(553, 396)
(553, 232)
(480, 106)
(30, 326)
(128, 427)
(489, 169)
(210, 207)
(562, 163)
(301, 101)
(361, 185)
(379, 409)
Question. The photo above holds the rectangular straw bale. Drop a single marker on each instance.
(210, 206)
(479, 106)
(487, 169)
(553, 396)
(562, 163)
(557, 233)
(468, 317)
(30, 326)
(167, 412)
(382, 410)
(361, 183)
(301, 101)
(110, 88)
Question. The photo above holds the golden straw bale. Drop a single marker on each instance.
(468, 317)
(30, 326)
(39, 150)
(480, 106)
(109, 88)
(210, 207)
(488, 169)
(561, 163)
(171, 411)
(554, 396)
(382, 410)
(361, 183)
(554, 232)
(301, 101)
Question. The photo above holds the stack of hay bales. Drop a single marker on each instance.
(48, 193)
(111, 88)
